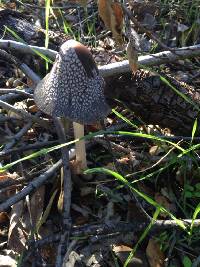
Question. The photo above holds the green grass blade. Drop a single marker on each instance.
(47, 13)
(41, 152)
(195, 214)
(194, 129)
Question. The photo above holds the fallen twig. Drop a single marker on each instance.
(150, 60)
(23, 92)
(13, 97)
(36, 183)
(28, 49)
(117, 227)
(117, 67)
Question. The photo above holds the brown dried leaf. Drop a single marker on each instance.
(3, 217)
(121, 248)
(132, 57)
(162, 200)
(155, 150)
(104, 7)
(112, 15)
(37, 205)
(154, 254)
(123, 251)
(132, 50)
(124, 160)
(33, 109)
(81, 2)
(17, 236)
(76, 167)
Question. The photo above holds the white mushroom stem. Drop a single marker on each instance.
(80, 146)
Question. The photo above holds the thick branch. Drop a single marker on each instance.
(118, 68)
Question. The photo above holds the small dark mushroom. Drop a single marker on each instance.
(74, 90)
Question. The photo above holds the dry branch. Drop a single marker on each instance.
(113, 68)
(151, 60)
(120, 227)
(36, 183)
(27, 49)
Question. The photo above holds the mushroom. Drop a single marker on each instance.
(74, 90)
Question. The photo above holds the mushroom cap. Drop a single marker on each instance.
(73, 88)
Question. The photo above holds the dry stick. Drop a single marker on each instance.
(124, 227)
(27, 49)
(118, 227)
(14, 97)
(59, 257)
(32, 186)
(16, 91)
(116, 68)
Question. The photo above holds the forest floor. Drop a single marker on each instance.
(138, 202)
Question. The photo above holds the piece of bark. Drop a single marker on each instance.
(154, 101)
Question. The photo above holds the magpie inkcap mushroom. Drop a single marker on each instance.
(73, 89)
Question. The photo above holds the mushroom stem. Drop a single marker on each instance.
(80, 146)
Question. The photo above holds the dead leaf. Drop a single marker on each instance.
(124, 160)
(37, 205)
(112, 15)
(121, 248)
(81, 2)
(16, 235)
(10, 190)
(154, 254)
(76, 166)
(163, 201)
(33, 109)
(155, 150)
(3, 217)
(132, 50)
(123, 251)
